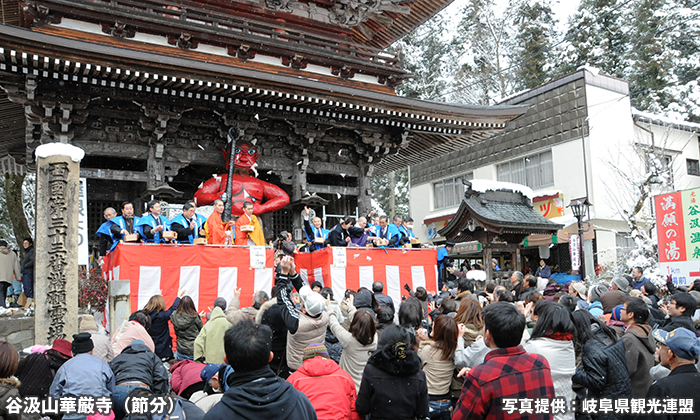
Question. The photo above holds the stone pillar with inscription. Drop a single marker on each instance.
(56, 243)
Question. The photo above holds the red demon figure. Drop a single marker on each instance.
(265, 197)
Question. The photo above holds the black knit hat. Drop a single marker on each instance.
(82, 343)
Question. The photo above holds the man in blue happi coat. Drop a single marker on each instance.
(152, 225)
(388, 231)
(443, 260)
(397, 236)
(406, 230)
(106, 238)
(313, 230)
(124, 224)
(188, 225)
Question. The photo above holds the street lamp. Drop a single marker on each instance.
(579, 207)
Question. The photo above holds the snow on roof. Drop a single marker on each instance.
(60, 149)
(566, 220)
(547, 193)
(592, 70)
(483, 185)
(660, 119)
(450, 211)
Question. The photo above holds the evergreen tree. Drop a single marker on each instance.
(425, 55)
(596, 37)
(650, 68)
(533, 52)
(681, 28)
(481, 45)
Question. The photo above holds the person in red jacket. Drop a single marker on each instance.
(330, 389)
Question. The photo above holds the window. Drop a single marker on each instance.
(450, 192)
(535, 171)
(693, 167)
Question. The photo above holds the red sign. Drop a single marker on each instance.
(670, 228)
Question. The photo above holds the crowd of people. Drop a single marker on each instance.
(303, 353)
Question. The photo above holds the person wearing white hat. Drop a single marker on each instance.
(306, 325)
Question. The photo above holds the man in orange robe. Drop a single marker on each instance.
(255, 237)
(215, 227)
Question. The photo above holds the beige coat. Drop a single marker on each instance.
(8, 265)
(355, 355)
(234, 314)
(438, 372)
(311, 331)
(103, 348)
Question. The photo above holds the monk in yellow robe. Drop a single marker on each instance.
(214, 227)
(255, 237)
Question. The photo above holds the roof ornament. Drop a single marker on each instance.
(350, 13)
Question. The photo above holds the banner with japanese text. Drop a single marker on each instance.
(678, 233)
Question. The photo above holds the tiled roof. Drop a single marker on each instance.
(503, 212)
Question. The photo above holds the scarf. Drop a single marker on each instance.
(559, 336)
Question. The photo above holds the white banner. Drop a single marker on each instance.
(575, 251)
(340, 257)
(257, 257)
(83, 251)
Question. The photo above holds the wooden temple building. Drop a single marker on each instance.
(499, 219)
(150, 88)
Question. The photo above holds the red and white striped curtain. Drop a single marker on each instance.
(364, 266)
(205, 272)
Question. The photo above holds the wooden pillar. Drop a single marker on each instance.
(156, 168)
(364, 200)
(487, 255)
(517, 264)
(56, 266)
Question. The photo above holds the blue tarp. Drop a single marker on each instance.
(563, 278)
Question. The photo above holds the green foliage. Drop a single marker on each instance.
(597, 37)
(481, 44)
(534, 50)
(426, 56)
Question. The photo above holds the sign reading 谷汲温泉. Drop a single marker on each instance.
(678, 232)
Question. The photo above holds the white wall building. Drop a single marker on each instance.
(544, 149)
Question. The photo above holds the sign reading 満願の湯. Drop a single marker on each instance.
(678, 232)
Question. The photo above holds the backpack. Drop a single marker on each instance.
(177, 413)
